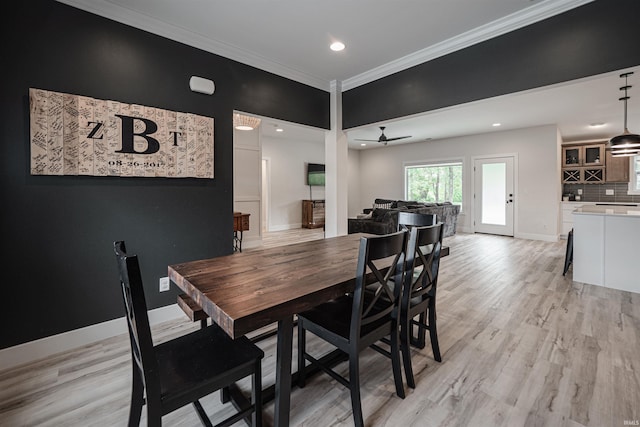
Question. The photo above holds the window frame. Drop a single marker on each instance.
(431, 163)
(634, 172)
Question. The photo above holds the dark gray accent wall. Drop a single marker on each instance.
(595, 38)
(58, 267)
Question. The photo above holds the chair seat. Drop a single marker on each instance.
(335, 317)
(203, 359)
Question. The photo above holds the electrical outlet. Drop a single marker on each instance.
(580, 191)
(164, 284)
(609, 192)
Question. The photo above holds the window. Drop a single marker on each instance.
(434, 182)
(634, 181)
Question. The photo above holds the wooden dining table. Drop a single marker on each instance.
(246, 291)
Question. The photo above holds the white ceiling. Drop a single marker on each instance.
(291, 38)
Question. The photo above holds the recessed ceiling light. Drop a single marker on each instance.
(596, 125)
(363, 145)
(279, 130)
(337, 46)
(495, 125)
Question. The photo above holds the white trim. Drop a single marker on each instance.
(528, 16)
(632, 190)
(535, 236)
(433, 162)
(285, 227)
(39, 349)
(138, 20)
(520, 19)
(516, 190)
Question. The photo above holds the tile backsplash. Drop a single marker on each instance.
(598, 192)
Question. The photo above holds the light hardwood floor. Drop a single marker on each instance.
(521, 346)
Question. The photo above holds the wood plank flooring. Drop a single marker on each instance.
(521, 346)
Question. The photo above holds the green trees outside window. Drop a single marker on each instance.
(440, 182)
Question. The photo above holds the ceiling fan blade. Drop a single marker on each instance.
(398, 137)
(370, 140)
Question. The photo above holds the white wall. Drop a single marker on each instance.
(354, 203)
(288, 159)
(247, 182)
(537, 193)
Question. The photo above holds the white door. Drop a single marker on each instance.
(494, 196)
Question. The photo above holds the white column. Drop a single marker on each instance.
(336, 151)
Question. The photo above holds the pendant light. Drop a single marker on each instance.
(627, 143)
(242, 122)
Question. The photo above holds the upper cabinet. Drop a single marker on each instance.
(617, 168)
(583, 155)
(583, 163)
(590, 163)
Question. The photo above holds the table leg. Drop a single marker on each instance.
(283, 372)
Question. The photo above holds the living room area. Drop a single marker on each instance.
(272, 183)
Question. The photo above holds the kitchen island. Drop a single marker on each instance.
(606, 246)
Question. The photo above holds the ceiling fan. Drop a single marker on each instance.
(383, 138)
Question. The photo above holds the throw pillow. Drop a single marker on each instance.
(383, 205)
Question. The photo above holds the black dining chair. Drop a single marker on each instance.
(406, 220)
(180, 371)
(568, 256)
(419, 293)
(360, 319)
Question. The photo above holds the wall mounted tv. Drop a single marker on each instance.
(315, 174)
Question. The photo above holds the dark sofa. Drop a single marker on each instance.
(383, 217)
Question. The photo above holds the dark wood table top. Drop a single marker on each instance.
(248, 290)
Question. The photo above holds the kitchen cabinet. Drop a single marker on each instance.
(567, 216)
(605, 247)
(617, 168)
(583, 175)
(583, 163)
(583, 155)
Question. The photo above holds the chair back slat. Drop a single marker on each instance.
(369, 307)
(418, 287)
(142, 353)
(406, 220)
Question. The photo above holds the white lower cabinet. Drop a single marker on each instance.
(567, 217)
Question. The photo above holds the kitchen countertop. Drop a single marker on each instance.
(631, 211)
(585, 202)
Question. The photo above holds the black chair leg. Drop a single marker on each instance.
(354, 387)
(301, 353)
(256, 395)
(433, 332)
(225, 396)
(406, 332)
(137, 399)
(395, 362)
(154, 416)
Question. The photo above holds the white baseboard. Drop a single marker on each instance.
(285, 227)
(527, 236)
(534, 236)
(34, 350)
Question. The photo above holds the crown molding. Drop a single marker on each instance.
(138, 20)
(528, 16)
